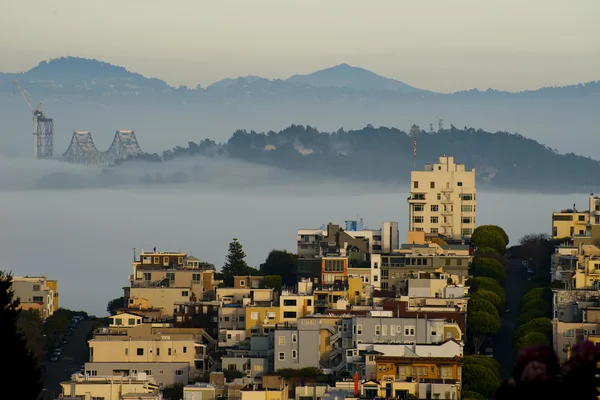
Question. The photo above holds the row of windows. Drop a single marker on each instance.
(232, 319)
(130, 321)
(382, 330)
(432, 184)
(281, 339)
(419, 219)
(281, 355)
(140, 351)
(436, 208)
(405, 370)
(255, 316)
(401, 262)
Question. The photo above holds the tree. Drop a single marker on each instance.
(273, 282)
(532, 339)
(24, 371)
(485, 283)
(485, 361)
(281, 262)
(470, 395)
(235, 263)
(490, 296)
(482, 324)
(490, 268)
(486, 250)
(115, 304)
(539, 325)
(30, 325)
(531, 315)
(173, 392)
(480, 379)
(479, 304)
(490, 236)
(535, 294)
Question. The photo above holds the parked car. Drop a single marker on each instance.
(525, 263)
(489, 352)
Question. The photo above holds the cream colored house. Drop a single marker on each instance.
(200, 391)
(294, 306)
(442, 199)
(37, 293)
(139, 387)
(244, 296)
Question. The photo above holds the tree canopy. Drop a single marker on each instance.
(235, 263)
(539, 325)
(480, 379)
(283, 263)
(115, 304)
(481, 324)
(490, 268)
(532, 339)
(491, 236)
(491, 297)
(486, 283)
(23, 370)
(478, 303)
(488, 362)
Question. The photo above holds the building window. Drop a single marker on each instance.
(169, 351)
(294, 338)
(38, 299)
(126, 351)
(258, 368)
(147, 276)
(184, 293)
(459, 183)
(392, 330)
(294, 354)
(466, 231)
(415, 184)
(384, 330)
(156, 260)
(419, 207)
(409, 331)
(178, 372)
(158, 351)
(433, 332)
(466, 220)
(92, 372)
(133, 372)
(271, 315)
(254, 316)
(568, 333)
(468, 208)
(418, 219)
(118, 321)
(140, 351)
(434, 208)
(289, 302)
(432, 185)
(377, 330)
(289, 314)
(467, 197)
(184, 349)
(281, 356)
(195, 278)
(359, 329)
(131, 321)
(161, 372)
(282, 340)
(434, 230)
(375, 278)
(242, 282)
(433, 220)
(439, 196)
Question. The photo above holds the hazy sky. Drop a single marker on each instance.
(440, 45)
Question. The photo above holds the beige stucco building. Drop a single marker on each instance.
(36, 293)
(138, 387)
(442, 199)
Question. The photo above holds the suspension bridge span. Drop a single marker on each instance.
(82, 149)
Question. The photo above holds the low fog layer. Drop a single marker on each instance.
(85, 238)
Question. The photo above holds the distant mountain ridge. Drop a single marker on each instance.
(92, 78)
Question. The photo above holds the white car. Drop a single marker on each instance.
(489, 352)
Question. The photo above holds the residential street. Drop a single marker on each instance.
(75, 353)
(516, 284)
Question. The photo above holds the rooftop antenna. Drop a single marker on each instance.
(414, 132)
(440, 125)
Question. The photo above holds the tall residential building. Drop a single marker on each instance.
(442, 199)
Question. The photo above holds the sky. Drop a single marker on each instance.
(439, 45)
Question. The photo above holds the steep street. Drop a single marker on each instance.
(516, 284)
(74, 354)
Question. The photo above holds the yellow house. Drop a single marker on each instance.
(259, 320)
(53, 285)
(587, 275)
(294, 306)
(265, 394)
(569, 223)
(124, 320)
(396, 389)
(421, 368)
(327, 296)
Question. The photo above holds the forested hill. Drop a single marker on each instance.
(501, 159)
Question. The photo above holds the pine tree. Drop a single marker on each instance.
(22, 368)
(235, 264)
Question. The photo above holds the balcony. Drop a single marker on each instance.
(417, 198)
(321, 303)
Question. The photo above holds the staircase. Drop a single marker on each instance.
(335, 337)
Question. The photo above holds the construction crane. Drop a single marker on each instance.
(43, 135)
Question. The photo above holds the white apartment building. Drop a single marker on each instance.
(442, 199)
(36, 293)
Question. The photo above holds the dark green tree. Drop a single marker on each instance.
(480, 379)
(283, 263)
(539, 325)
(483, 282)
(481, 324)
(485, 361)
(531, 315)
(115, 304)
(273, 282)
(490, 296)
(535, 294)
(490, 268)
(235, 263)
(470, 395)
(30, 325)
(490, 236)
(478, 304)
(23, 370)
(532, 339)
